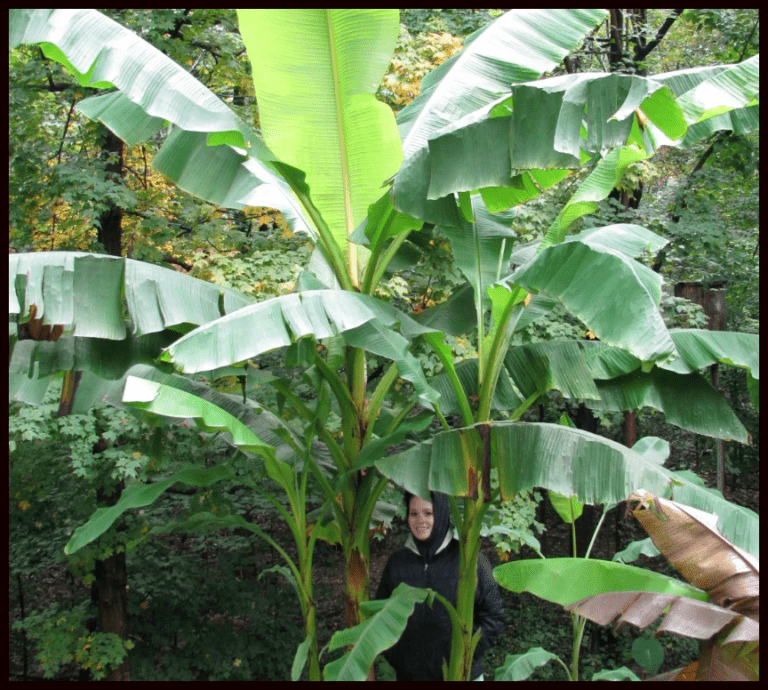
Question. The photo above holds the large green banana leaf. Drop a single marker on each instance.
(611, 379)
(558, 123)
(739, 120)
(554, 457)
(265, 425)
(168, 401)
(700, 348)
(210, 152)
(518, 46)
(315, 72)
(735, 87)
(364, 322)
(84, 292)
(688, 401)
(108, 359)
(567, 580)
(626, 238)
(607, 378)
(617, 297)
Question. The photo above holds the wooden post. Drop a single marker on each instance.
(713, 302)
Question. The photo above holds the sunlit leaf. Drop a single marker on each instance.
(355, 144)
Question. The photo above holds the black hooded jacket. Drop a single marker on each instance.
(426, 641)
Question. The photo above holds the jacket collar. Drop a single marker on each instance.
(410, 544)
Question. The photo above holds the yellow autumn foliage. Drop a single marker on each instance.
(415, 56)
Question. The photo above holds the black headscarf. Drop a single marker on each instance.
(442, 513)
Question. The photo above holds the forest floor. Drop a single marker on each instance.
(524, 612)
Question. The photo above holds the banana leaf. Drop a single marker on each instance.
(738, 86)
(559, 365)
(617, 297)
(606, 174)
(386, 621)
(168, 401)
(322, 91)
(84, 292)
(363, 321)
(700, 348)
(571, 462)
(690, 541)
(108, 359)
(684, 616)
(567, 580)
(140, 495)
(481, 248)
(688, 401)
(518, 46)
(504, 396)
(560, 122)
(521, 666)
(738, 120)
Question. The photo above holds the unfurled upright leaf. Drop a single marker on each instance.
(317, 105)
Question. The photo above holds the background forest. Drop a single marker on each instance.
(213, 603)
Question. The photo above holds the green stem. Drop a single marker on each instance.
(502, 335)
(328, 245)
(307, 415)
(460, 664)
(444, 355)
(526, 404)
(573, 537)
(377, 265)
(578, 631)
(395, 423)
(374, 405)
(594, 534)
(567, 670)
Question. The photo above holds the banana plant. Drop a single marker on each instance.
(512, 148)
(221, 159)
(345, 150)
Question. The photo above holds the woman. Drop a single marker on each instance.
(430, 558)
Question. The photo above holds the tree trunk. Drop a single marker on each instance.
(110, 592)
(712, 300)
(111, 575)
(110, 232)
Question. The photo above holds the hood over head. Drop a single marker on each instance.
(442, 515)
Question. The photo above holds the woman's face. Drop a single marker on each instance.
(421, 519)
